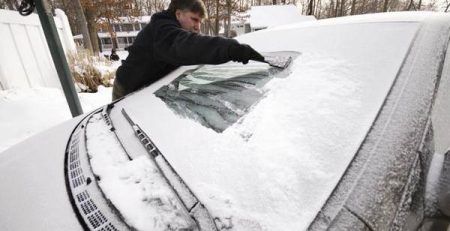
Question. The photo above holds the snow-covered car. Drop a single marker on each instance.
(352, 135)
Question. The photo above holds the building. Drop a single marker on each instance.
(126, 30)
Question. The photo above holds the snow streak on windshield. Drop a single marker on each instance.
(218, 96)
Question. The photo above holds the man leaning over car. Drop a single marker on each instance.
(172, 39)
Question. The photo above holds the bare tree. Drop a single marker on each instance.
(310, 10)
(229, 12)
(7, 4)
(385, 5)
(216, 31)
(81, 22)
(93, 29)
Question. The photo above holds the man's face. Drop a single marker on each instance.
(189, 20)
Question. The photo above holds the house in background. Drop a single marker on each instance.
(263, 17)
(126, 30)
(240, 24)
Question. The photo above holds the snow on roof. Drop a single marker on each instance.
(409, 16)
(275, 15)
(240, 17)
(131, 19)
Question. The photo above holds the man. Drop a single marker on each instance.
(170, 40)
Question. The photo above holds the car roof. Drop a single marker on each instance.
(403, 16)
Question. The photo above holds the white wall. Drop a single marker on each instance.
(25, 59)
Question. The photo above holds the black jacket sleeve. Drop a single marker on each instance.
(176, 46)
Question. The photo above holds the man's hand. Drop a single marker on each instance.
(243, 53)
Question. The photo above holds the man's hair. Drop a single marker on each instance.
(195, 6)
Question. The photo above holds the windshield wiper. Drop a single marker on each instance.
(196, 210)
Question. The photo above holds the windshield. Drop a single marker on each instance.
(261, 150)
(217, 96)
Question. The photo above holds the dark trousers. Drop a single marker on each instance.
(118, 91)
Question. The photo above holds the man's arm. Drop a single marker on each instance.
(177, 46)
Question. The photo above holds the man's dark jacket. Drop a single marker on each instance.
(162, 46)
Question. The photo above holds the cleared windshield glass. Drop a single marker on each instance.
(219, 95)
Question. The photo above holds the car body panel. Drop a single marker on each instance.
(384, 186)
(33, 193)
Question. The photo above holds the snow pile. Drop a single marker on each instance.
(28, 111)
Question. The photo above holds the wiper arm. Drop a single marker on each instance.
(190, 202)
(105, 115)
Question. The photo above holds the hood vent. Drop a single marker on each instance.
(94, 211)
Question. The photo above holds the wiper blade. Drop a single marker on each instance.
(105, 115)
(190, 202)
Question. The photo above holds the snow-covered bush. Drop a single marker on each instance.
(90, 71)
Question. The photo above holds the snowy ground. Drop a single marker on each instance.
(28, 111)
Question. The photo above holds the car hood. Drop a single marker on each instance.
(34, 194)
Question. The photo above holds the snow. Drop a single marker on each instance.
(275, 167)
(410, 16)
(279, 15)
(270, 155)
(149, 205)
(27, 111)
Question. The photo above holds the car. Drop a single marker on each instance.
(352, 135)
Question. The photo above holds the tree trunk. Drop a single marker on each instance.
(363, 7)
(92, 27)
(216, 29)
(410, 5)
(352, 10)
(228, 33)
(336, 8)
(81, 21)
(331, 9)
(446, 8)
(310, 8)
(10, 4)
(274, 2)
(385, 5)
(318, 9)
(419, 5)
(342, 8)
(112, 34)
